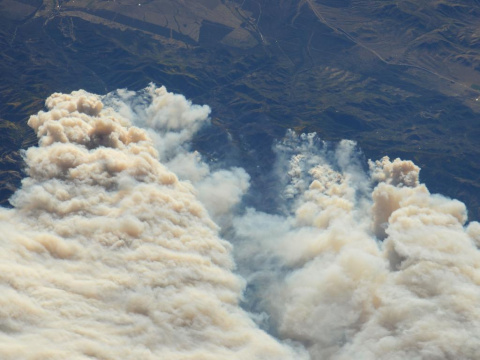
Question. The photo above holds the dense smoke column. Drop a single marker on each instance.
(107, 255)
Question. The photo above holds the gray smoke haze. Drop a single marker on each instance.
(112, 249)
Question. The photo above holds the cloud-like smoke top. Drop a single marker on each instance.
(106, 254)
(390, 273)
(112, 249)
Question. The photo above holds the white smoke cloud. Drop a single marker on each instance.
(107, 255)
(171, 122)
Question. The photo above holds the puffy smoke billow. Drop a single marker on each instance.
(323, 273)
(111, 250)
(171, 121)
(107, 255)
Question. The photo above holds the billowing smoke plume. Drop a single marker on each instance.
(107, 255)
(110, 251)
(328, 280)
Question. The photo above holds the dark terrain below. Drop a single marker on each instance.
(401, 78)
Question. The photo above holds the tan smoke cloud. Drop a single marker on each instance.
(107, 255)
(330, 283)
(110, 251)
